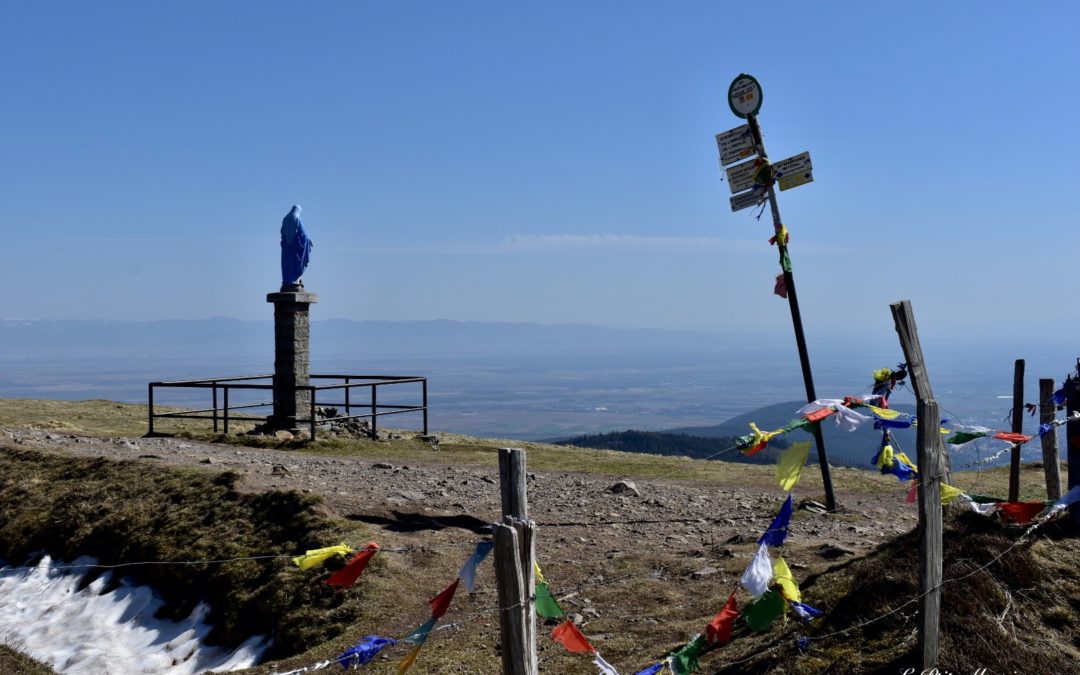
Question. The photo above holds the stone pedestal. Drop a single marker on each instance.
(292, 355)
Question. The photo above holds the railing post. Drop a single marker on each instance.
(348, 408)
(425, 407)
(225, 412)
(312, 391)
(214, 385)
(150, 409)
(374, 408)
(1051, 459)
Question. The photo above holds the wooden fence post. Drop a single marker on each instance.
(518, 616)
(1072, 441)
(1051, 460)
(1017, 427)
(932, 471)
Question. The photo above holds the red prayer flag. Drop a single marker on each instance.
(568, 635)
(819, 414)
(910, 499)
(1020, 513)
(347, 576)
(1012, 438)
(719, 629)
(756, 448)
(441, 602)
(781, 286)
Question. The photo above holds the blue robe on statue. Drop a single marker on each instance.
(295, 248)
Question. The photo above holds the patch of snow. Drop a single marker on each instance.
(88, 631)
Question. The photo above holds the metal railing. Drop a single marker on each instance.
(220, 409)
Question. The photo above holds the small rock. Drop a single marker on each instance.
(488, 479)
(813, 507)
(577, 618)
(830, 551)
(736, 539)
(282, 435)
(208, 460)
(705, 572)
(51, 437)
(591, 611)
(624, 487)
(382, 465)
(280, 470)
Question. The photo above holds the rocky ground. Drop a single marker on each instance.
(641, 564)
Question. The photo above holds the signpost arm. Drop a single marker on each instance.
(796, 319)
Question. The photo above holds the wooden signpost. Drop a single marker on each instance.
(752, 183)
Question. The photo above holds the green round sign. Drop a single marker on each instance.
(744, 96)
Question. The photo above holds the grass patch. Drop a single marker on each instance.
(1014, 616)
(14, 662)
(121, 512)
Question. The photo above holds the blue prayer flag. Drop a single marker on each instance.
(1059, 397)
(468, 570)
(805, 611)
(651, 670)
(364, 652)
(777, 532)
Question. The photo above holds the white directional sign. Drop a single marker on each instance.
(741, 176)
(735, 144)
(744, 96)
(794, 171)
(745, 200)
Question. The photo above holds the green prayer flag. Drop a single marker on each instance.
(983, 499)
(760, 613)
(546, 606)
(961, 437)
(785, 259)
(688, 658)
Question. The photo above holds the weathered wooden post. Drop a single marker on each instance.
(514, 571)
(1072, 440)
(1051, 460)
(932, 471)
(1017, 427)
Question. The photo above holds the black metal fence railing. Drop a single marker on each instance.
(222, 413)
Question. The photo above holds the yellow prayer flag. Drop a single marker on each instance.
(407, 662)
(907, 461)
(885, 458)
(786, 580)
(884, 413)
(949, 493)
(320, 555)
(538, 573)
(790, 465)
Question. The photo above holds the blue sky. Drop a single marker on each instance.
(548, 162)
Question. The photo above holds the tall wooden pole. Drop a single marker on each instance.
(796, 320)
(932, 471)
(1051, 460)
(1017, 427)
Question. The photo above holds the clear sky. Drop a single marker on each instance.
(550, 162)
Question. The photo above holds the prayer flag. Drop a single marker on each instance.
(419, 635)
(790, 465)
(961, 437)
(1045, 428)
(604, 667)
(364, 652)
(719, 629)
(546, 606)
(407, 662)
(983, 509)
(568, 635)
(318, 556)
(806, 611)
(537, 573)
(800, 423)
(347, 576)
(758, 573)
(760, 613)
(898, 423)
(949, 493)
(1012, 438)
(780, 287)
(1058, 397)
(910, 498)
(819, 415)
(468, 570)
(441, 602)
(820, 404)
(849, 420)
(1066, 500)
(786, 580)
(1020, 513)
(759, 440)
(884, 413)
(651, 670)
(688, 658)
(777, 532)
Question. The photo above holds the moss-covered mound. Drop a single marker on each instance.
(1019, 615)
(125, 512)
